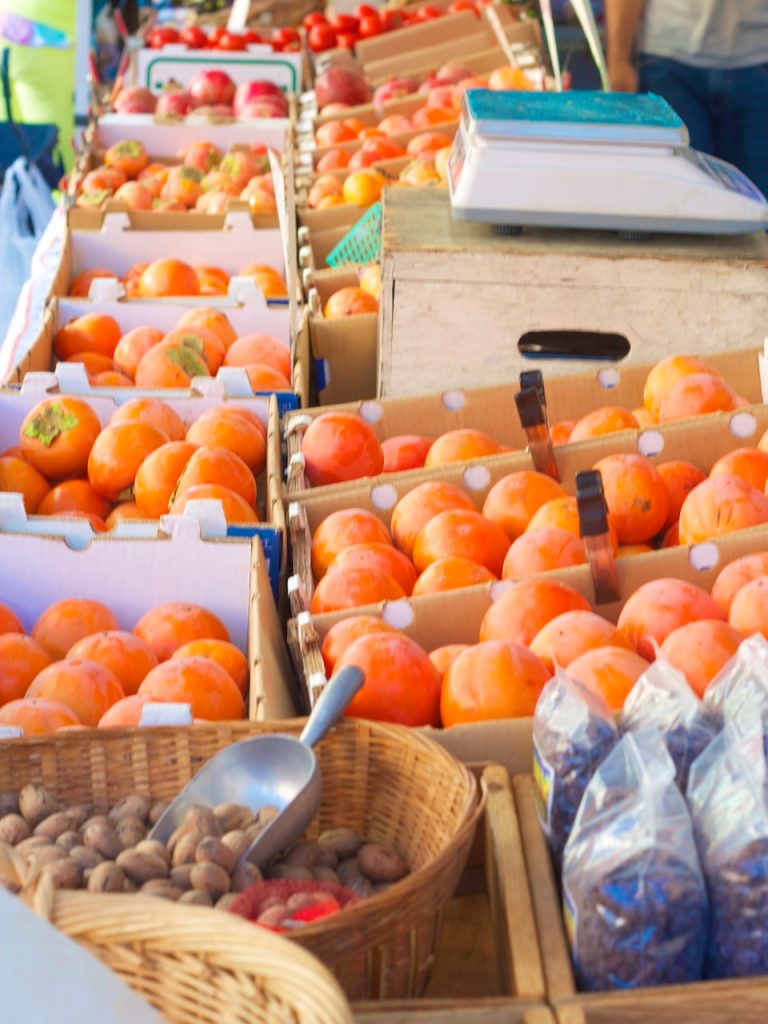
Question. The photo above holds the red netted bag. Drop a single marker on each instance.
(254, 900)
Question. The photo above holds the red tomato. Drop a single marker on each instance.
(284, 36)
(193, 37)
(428, 11)
(215, 35)
(344, 23)
(252, 38)
(231, 41)
(392, 19)
(365, 11)
(321, 37)
(313, 18)
(370, 26)
(463, 5)
(347, 39)
(163, 36)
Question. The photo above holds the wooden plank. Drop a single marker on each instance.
(465, 965)
(554, 948)
(705, 1002)
(426, 1011)
(520, 967)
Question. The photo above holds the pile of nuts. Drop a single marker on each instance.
(198, 865)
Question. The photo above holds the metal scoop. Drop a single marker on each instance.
(276, 770)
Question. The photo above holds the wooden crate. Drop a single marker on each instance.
(704, 1002)
(458, 299)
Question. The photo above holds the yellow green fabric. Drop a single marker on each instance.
(43, 78)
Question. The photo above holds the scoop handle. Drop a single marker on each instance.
(331, 704)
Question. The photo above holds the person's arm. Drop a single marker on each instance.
(622, 18)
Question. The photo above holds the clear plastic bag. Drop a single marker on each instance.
(662, 699)
(740, 689)
(634, 898)
(729, 806)
(572, 732)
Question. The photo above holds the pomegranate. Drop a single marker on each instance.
(341, 85)
(211, 87)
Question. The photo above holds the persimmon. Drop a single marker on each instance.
(339, 446)
(404, 451)
(461, 532)
(428, 142)
(334, 131)
(571, 634)
(414, 510)
(123, 512)
(512, 501)
(126, 712)
(353, 588)
(234, 507)
(401, 683)
(363, 187)
(224, 653)
(81, 283)
(748, 613)
(636, 496)
(166, 277)
(132, 279)
(171, 364)
(665, 373)
(92, 332)
(166, 627)
(127, 656)
(564, 513)
(720, 505)
(94, 363)
(349, 301)
(202, 340)
(626, 550)
(269, 280)
(661, 606)
(116, 455)
(212, 280)
(610, 672)
(135, 196)
(17, 475)
(74, 496)
(700, 649)
(560, 432)
(37, 717)
(333, 160)
(86, 687)
(111, 379)
(260, 348)
(264, 379)
(183, 185)
(751, 464)
(526, 607)
(492, 680)
(679, 478)
(21, 659)
(443, 657)
(209, 689)
(154, 412)
(132, 346)
(346, 631)
(735, 575)
(671, 537)
(451, 573)
(378, 556)
(697, 394)
(608, 420)
(211, 319)
(9, 621)
(57, 435)
(224, 428)
(128, 156)
(340, 530)
(65, 622)
(460, 446)
(214, 464)
(542, 550)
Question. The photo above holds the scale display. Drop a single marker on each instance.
(592, 160)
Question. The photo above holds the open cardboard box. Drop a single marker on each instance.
(16, 404)
(455, 617)
(183, 560)
(155, 69)
(493, 409)
(701, 1002)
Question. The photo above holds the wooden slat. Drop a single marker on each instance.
(489, 1011)
(520, 965)
(711, 1002)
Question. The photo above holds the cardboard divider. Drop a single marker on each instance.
(133, 574)
(455, 616)
(165, 137)
(493, 409)
(15, 405)
(701, 1002)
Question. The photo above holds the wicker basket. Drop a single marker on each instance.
(194, 967)
(389, 783)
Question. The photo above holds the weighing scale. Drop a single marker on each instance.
(596, 160)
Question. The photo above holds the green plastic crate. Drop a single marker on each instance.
(362, 243)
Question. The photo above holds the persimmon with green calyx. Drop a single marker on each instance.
(57, 435)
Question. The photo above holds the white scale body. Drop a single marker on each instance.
(602, 161)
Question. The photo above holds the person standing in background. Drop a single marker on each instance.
(709, 60)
